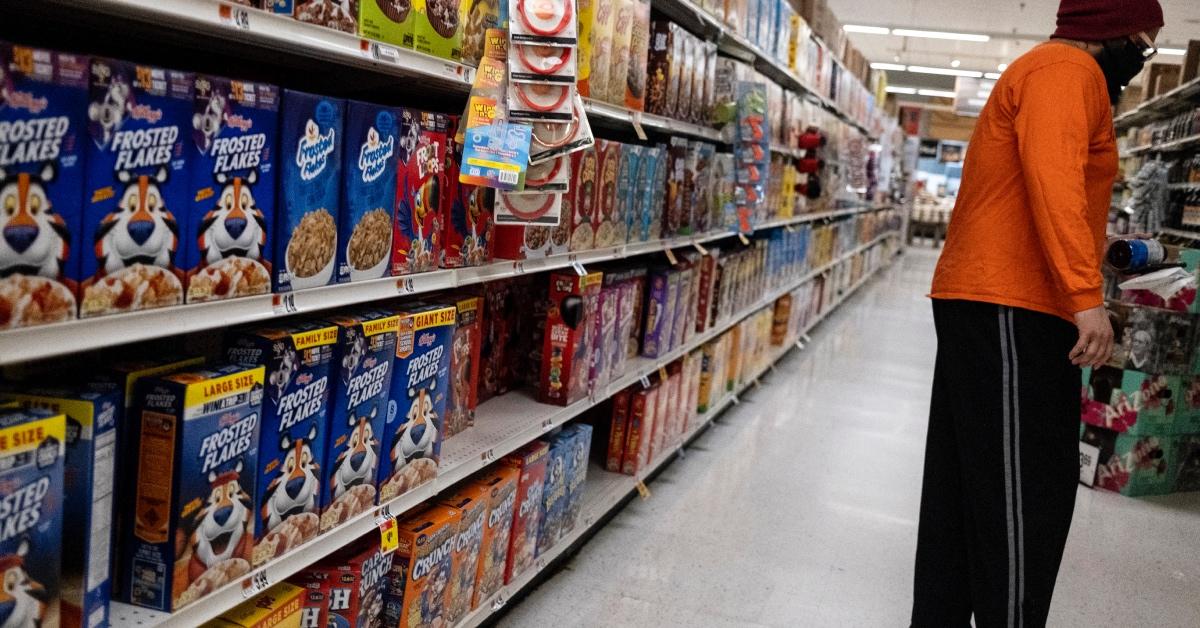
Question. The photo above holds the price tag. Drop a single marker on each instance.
(519, 267)
(406, 285)
(671, 257)
(255, 584)
(757, 384)
(642, 489)
(744, 239)
(735, 400)
(488, 456)
(579, 269)
(284, 303)
(500, 601)
(662, 373)
(236, 17)
(645, 381)
(384, 52)
(547, 424)
(800, 345)
(389, 536)
(806, 337)
(637, 126)
(539, 564)
(700, 248)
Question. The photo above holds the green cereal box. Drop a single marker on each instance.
(388, 21)
(438, 27)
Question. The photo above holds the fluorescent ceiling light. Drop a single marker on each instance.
(945, 71)
(935, 92)
(870, 30)
(991, 75)
(889, 66)
(893, 89)
(905, 32)
(1174, 52)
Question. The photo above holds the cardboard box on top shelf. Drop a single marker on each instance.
(1161, 78)
(1191, 62)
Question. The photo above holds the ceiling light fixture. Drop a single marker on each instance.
(905, 32)
(920, 69)
(1174, 52)
(895, 89)
(991, 75)
(955, 63)
(889, 66)
(869, 30)
(935, 92)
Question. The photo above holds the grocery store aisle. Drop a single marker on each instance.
(799, 507)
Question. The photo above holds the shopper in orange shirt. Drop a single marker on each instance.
(1018, 309)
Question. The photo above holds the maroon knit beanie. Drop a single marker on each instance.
(1098, 20)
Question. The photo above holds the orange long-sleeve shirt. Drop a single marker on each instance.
(1028, 228)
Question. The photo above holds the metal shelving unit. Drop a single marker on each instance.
(602, 112)
(506, 423)
(1161, 106)
(1174, 145)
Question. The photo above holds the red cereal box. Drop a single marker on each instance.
(419, 583)
(522, 546)
(674, 404)
(500, 482)
(643, 406)
(567, 346)
(466, 215)
(472, 501)
(357, 582)
(579, 204)
(316, 585)
(464, 363)
(417, 227)
(616, 435)
(706, 266)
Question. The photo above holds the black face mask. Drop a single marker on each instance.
(1120, 61)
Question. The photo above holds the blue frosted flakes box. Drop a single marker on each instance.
(137, 191)
(298, 359)
(362, 361)
(412, 437)
(368, 192)
(31, 515)
(43, 95)
(306, 221)
(577, 468)
(92, 415)
(228, 252)
(191, 527)
(554, 493)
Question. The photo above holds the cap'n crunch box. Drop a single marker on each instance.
(310, 178)
(298, 359)
(137, 187)
(422, 568)
(643, 408)
(357, 585)
(527, 509)
(616, 435)
(463, 390)
(577, 466)
(471, 501)
(358, 409)
(368, 192)
(31, 488)
(42, 102)
(232, 211)
(554, 493)
(92, 416)
(500, 482)
(607, 220)
(193, 523)
(417, 224)
(412, 436)
(567, 346)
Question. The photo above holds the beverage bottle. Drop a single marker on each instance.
(1133, 255)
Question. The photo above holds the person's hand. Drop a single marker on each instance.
(1095, 344)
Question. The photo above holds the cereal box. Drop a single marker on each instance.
(554, 493)
(660, 308)
(417, 224)
(595, 84)
(691, 391)
(684, 306)
(567, 346)
(618, 425)
(622, 39)
(648, 221)
(498, 305)
(438, 29)
(193, 521)
(306, 223)
(358, 409)
(500, 482)
(137, 187)
(467, 218)
(659, 67)
(340, 15)
(299, 366)
(579, 203)
(388, 21)
(606, 217)
(358, 582)
(527, 510)
(41, 184)
(664, 421)
(586, 10)
(463, 389)
(577, 467)
(639, 49)
(675, 204)
(368, 193)
(480, 15)
(232, 211)
(315, 607)
(471, 500)
(31, 488)
(92, 417)
(422, 569)
(412, 437)
(643, 408)
(605, 346)
(281, 606)
(629, 221)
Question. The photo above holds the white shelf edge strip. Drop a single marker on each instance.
(539, 423)
(76, 335)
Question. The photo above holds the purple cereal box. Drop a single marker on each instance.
(656, 339)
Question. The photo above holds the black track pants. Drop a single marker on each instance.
(1001, 467)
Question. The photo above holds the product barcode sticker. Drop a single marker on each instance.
(579, 269)
(500, 601)
(488, 456)
(642, 489)
(384, 52)
(508, 177)
(645, 381)
(519, 267)
(255, 584)
(637, 126)
(547, 424)
(800, 345)
(406, 285)
(389, 535)
(237, 17)
(284, 303)
(735, 400)
(671, 257)
(744, 239)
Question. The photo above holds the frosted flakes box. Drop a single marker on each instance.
(422, 568)
(412, 437)
(43, 96)
(298, 359)
(362, 360)
(554, 493)
(92, 415)
(368, 192)
(228, 252)
(31, 527)
(531, 461)
(417, 225)
(500, 483)
(138, 187)
(577, 466)
(471, 501)
(192, 520)
(310, 178)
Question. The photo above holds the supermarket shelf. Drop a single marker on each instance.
(1195, 185)
(506, 423)
(18, 345)
(1180, 233)
(620, 116)
(245, 26)
(1174, 145)
(1161, 106)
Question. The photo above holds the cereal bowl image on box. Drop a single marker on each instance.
(368, 193)
(306, 225)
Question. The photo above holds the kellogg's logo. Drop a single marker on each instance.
(426, 339)
(146, 113)
(26, 100)
(374, 154)
(240, 122)
(313, 150)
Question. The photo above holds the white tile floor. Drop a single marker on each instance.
(799, 507)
